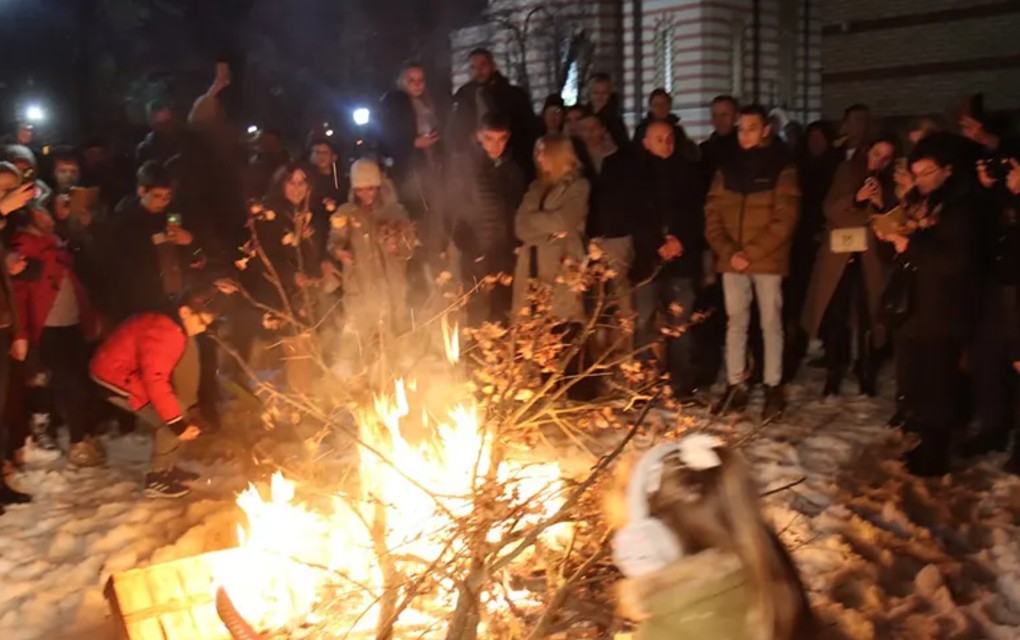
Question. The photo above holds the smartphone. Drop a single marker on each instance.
(173, 219)
(28, 176)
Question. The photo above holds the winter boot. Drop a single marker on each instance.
(84, 454)
(930, 458)
(899, 417)
(40, 430)
(833, 381)
(775, 403)
(733, 400)
(161, 485)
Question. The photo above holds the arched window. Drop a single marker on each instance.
(664, 47)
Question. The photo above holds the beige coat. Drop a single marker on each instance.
(375, 283)
(554, 226)
(842, 213)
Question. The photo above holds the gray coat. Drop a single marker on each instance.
(841, 212)
(553, 224)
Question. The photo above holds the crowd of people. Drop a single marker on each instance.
(750, 244)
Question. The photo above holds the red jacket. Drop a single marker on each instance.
(137, 361)
(34, 297)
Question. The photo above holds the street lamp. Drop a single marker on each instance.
(35, 113)
(253, 129)
(362, 116)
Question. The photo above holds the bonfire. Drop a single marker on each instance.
(429, 499)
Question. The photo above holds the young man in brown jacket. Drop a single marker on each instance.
(750, 215)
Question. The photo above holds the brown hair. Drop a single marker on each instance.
(558, 148)
(717, 508)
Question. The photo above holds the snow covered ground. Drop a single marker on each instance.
(885, 555)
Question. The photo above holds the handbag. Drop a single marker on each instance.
(848, 240)
(897, 300)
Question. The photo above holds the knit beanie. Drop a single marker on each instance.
(365, 173)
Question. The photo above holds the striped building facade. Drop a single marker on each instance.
(916, 57)
(696, 49)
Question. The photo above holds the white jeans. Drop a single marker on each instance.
(739, 296)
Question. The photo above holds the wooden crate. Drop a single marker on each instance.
(169, 601)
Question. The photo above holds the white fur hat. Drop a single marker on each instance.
(365, 173)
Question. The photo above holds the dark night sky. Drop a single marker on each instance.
(94, 63)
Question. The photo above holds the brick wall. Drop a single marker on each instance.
(913, 57)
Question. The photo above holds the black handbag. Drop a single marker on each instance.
(897, 301)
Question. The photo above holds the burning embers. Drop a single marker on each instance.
(436, 498)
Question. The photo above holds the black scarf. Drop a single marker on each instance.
(754, 170)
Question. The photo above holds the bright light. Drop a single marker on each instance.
(35, 113)
(253, 129)
(362, 116)
(329, 133)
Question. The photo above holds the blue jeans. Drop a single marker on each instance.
(738, 292)
(658, 296)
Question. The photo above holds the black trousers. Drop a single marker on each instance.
(991, 355)
(930, 383)
(849, 305)
(65, 354)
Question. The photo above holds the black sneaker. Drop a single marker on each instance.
(182, 475)
(733, 400)
(10, 496)
(775, 403)
(161, 485)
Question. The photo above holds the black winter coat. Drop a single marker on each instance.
(669, 200)
(609, 214)
(398, 129)
(943, 256)
(714, 152)
(499, 96)
(487, 195)
(613, 122)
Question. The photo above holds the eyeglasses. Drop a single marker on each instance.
(926, 173)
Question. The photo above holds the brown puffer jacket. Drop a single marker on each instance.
(753, 207)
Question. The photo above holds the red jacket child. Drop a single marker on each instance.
(34, 296)
(137, 361)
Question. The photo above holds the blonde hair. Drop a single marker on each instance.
(558, 150)
(718, 508)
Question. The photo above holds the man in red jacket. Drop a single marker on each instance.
(149, 365)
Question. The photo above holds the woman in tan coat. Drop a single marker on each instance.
(550, 225)
(849, 275)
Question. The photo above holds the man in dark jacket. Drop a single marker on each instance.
(609, 214)
(750, 216)
(409, 132)
(164, 140)
(489, 92)
(668, 246)
(660, 107)
(723, 141)
(605, 104)
(489, 187)
(997, 339)
(149, 250)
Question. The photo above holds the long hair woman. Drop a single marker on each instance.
(848, 276)
(550, 223)
(700, 560)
